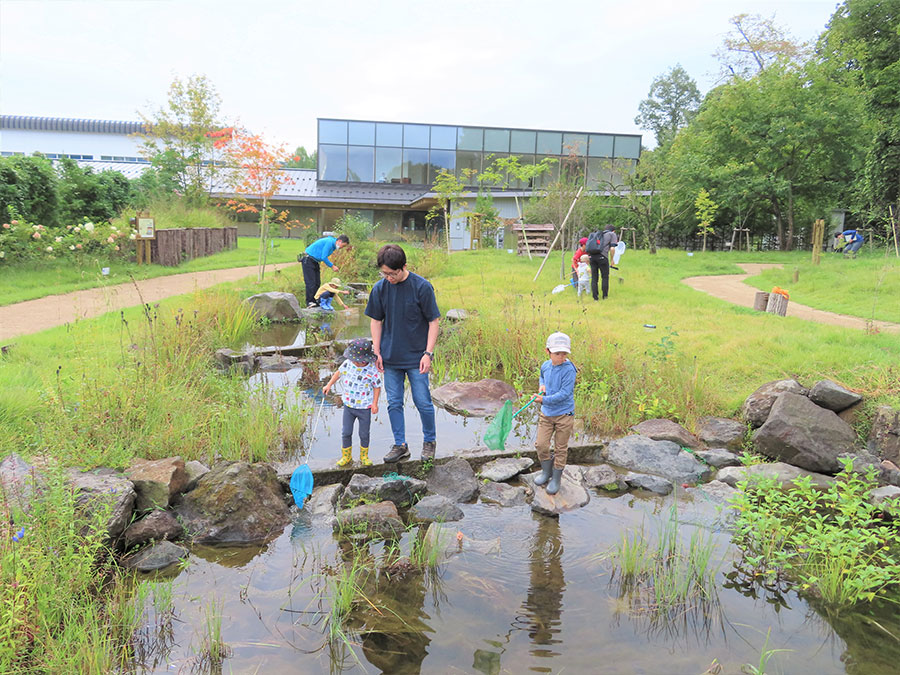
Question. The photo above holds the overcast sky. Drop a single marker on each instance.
(557, 64)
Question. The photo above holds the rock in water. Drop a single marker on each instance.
(667, 430)
(454, 479)
(572, 493)
(474, 399)
(381, 519)
(504, 468)
(783, 474)
(101, 489)
(502, 494)
(799, 432)
(157, 482)
(275, 306)
(156, 557)
(662, 458)
(603, 476)
(435, 508)
(155, 526)
(402, 491)
(644, 481)
(719, 457)
(758, 404)
(235, 503)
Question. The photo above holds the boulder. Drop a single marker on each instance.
(381, 519)
(195, 471)
(457, 315)
(720, 432)
(18, 480)
(502, 494)
(719, 457)
(401, 491)
(888, 494)
(156, 557)
(572, 493)
(603, 476)
(650, 483)
(435, 508)
(863, 462)
(156, 482)
(228, 360)
(709, 506)
(662, 458)
(474, 399)
(323, 500)
(667, 430)
(884, 437)
(758, 404)
(155, 526)
(831, 395)
(275, 306)
(455, 480)
(783, 474)
(504, 468)
(102, 489)
(278, 363)
(799, 432)
(235, 503)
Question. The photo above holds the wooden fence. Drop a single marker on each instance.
(173, 247)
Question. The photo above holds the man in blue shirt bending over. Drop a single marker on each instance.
(318, 252)
(853, 241)
(404, 327)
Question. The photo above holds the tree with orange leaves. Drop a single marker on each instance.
(257, 172)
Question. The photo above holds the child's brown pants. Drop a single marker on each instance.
(562, 426)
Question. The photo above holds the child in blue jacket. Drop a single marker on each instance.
(556, 395)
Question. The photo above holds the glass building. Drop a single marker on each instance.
(358, 151)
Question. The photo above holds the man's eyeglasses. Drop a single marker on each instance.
(391, 275)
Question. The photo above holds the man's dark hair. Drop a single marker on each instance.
(609, 228)
(344, 238)
(392, 256)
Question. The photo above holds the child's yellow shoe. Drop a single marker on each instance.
(346, 456)
(364, 457)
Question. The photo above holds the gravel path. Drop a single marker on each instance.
(33, 316)
(731, 287)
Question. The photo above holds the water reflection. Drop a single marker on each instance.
(544, 601)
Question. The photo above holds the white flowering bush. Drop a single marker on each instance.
(21, 241)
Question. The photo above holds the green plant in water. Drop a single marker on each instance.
(213, 650)
(765, 655)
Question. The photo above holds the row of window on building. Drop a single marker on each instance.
(63, 155)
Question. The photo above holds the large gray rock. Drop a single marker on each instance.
(645, 481)
(758, 404)
(435, 508)
(457, 315)
(662, 458)
(502, 494)
(886, 495)
(504, 468)
(381, 519)
(603, 476)
(400, 491)
(783, 474)
(230, 360)
(572, 493)
(720, 432)
(884, 437)
(278, 363)
(454, 479)
(156, 482)
(156, 557)
(195, 470)
(833, 396)
(18, 480)
(275, 306)
(474, 399)
(799, 432)
(719, 457)
(667, 430)
(323, 500)
(235, 503)
(155, 526)
(104, 489)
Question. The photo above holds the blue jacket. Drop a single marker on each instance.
(320, 249)
(559, 383)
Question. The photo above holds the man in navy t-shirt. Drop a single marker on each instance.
(404, 327)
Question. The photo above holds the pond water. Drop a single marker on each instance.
(536, 597)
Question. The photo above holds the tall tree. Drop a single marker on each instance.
(756, 42)
(177, 141)
(671, 104)
(449, 190)
(302, 159)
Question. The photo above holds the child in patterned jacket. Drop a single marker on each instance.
(361, 384)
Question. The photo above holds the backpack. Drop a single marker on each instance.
(598, 243)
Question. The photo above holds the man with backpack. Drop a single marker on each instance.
(597, 248)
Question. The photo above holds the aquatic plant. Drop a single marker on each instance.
(834, 545)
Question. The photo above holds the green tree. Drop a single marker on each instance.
(756, 42)
(85, 194)
(29, 188)
(302, 159)
(863, 40)
(506, 172)
(449, 190)
(671, 104)
(178, 139)
(706, 212)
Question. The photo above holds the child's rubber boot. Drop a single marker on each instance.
(546, 468)
(346, 456)
(553, 485)
(364, 457)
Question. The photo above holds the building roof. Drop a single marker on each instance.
(27, 122)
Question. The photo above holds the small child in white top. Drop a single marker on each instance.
(584, 274)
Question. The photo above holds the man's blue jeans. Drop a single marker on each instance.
(418, 384)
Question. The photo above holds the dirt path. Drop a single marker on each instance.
(33, 316)
(731, 287)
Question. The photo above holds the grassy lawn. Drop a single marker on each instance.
(42, 278)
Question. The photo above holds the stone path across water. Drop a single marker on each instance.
(33, 316)
(731, 288)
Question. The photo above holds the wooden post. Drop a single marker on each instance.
(818, 235)
(893, 218)
(761, 301)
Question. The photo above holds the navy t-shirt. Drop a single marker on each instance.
(405, 310)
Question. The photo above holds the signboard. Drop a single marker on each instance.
(146, 228)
